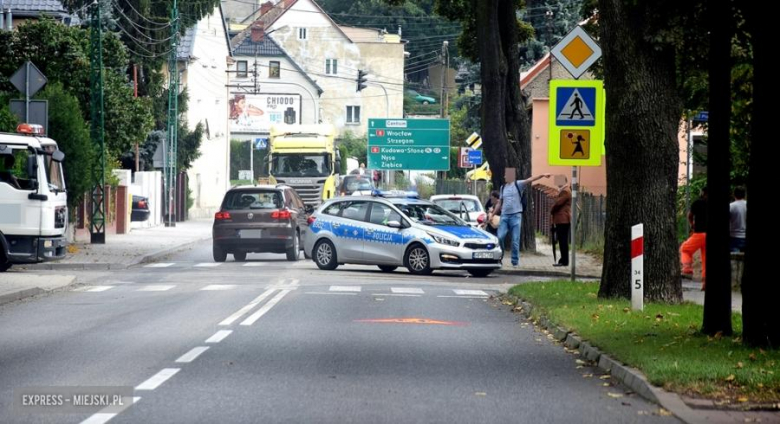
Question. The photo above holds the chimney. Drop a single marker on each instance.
(265, 7)
(258, 32)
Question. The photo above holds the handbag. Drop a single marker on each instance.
(494, 221)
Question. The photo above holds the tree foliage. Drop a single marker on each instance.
(62, 54)
(68, 128)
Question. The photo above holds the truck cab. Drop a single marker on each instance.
(33, 200)
(305, 158)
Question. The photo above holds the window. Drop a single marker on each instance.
(333, 209)
(331, 66)
(253, 200)
(382, 214)
(274, 69)
(241, 68)
(301, 33)
(355, 210)
(353, 114)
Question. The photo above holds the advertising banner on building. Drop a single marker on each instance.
(255, 113)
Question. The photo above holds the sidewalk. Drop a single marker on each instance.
(139, 246)
(539, 264)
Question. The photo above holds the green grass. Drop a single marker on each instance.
(663, 341)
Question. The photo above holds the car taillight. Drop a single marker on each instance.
(481, 218)
(281, 214)
(311, 220)
(219, 216)
(142, 204)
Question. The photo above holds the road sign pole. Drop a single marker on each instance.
(573, 244)
(252, 158)
(27, 92)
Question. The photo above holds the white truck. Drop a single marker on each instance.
(33, 201)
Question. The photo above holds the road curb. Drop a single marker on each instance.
(104, 266)
(541, 273)
(151, 257)
(630, 377)
(33, 291)
(19, 295)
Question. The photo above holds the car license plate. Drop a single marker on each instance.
(482, 255)
(249, 234)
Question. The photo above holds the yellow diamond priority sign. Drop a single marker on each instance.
(577, 52)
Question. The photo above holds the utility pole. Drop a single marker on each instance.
(97, 221)
(170, 165)
(549, 15)
(444, 65)
(135, 94)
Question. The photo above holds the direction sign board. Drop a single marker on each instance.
(409, 144)
(577, 51)
(576, 136)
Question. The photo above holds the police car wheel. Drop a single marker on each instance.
(480, 272)
(325, 255)
(218, 253)
(417, 260)
(387, 268)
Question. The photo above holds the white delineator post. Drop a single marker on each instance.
(637, 267)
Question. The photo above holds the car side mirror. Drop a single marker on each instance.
(394, 224)
(308, 209)
(57, 156)
(32, 167)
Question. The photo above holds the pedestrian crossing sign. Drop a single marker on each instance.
(576, 106)
(576, 123)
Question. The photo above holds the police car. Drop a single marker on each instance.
(392, 230)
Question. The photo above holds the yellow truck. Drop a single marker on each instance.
(305, 158)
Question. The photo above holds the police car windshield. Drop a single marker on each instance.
(430, 215)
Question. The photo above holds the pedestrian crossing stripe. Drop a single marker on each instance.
(579, 109)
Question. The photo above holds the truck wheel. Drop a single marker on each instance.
(4, 263)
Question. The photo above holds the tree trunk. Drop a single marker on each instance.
(717, 298)
(759, 290)
(505, 123)
(643, 116)
(518, 125)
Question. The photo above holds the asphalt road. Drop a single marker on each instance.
(274, 341)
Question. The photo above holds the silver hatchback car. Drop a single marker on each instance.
(393, 232)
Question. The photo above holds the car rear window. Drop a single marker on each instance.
(454, 205)
(268, 199)
(354, 184)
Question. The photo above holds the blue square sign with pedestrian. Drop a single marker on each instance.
(575, 106)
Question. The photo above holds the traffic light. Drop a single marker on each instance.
(361, 80)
